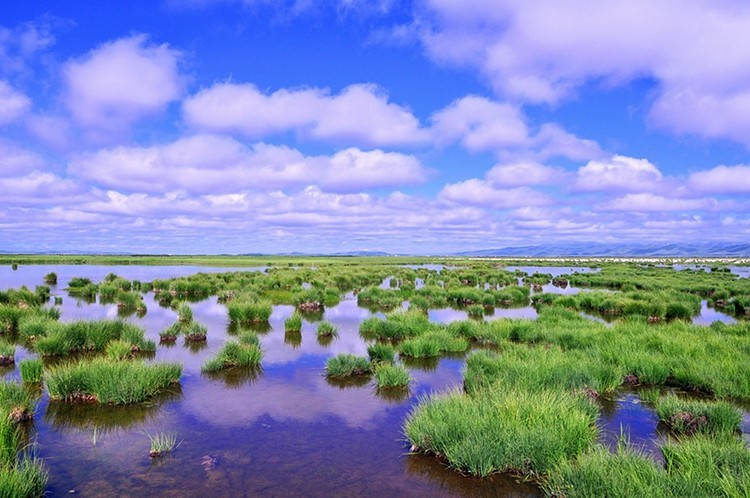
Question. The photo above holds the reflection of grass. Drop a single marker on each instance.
(69, 417)
(235, 377)
(293, 338)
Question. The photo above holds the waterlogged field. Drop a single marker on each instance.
(373, 376)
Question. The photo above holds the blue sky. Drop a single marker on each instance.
(430, 126)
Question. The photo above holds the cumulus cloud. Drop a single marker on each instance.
(475, 192)
(722, 180)
(15, 159)
(619, 173)
(359, 114)
(479, 124)
(543, 51)
(657, 203)
(13, 104)
(217, 164)
(121, 82)
(524, 173)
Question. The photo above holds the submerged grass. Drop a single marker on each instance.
(110, 382)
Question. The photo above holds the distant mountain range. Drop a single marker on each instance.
(614, 250)
(707, 249)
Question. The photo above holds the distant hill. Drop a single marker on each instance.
(708, 249)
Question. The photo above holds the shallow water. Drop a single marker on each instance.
(282, 431)
(285, 430)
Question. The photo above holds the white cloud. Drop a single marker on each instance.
(524, 173)
(121, 82)
(619, 173)
(210, 164)
(543, 51)
(13, 104)
(15, 159)
(360, 114)
(354, 169)
(475, 192)
(657, 203)
(479, 124)
(53, 131)
(722, 180)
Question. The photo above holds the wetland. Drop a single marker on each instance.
(374, 376)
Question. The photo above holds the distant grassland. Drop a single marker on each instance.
(306, 260)
(205, 260)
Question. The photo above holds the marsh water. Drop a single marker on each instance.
(282, 431)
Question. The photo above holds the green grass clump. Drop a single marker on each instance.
(31, 370)
(346, 365)
(249, 310)
(433, 344)
(7, 354)
(535, 368)
(185, 313)
(25, 478)
(381, 353)
(50, 278)
(624, 474)
(109, 382)
(392, 376)
(118, 350)
(162, 443)
(91, 335)
(16, 403)
(396, 326)
(692, 416)
(35, 326)
(293, 323)
(327, 329)
(503, 430)
(698, 466)
(235, 354)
